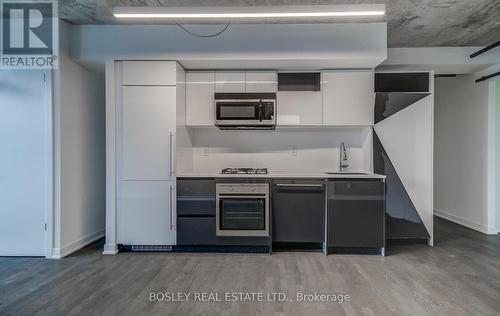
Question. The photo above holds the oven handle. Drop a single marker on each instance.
(256, 196)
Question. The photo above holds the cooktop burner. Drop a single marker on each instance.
(244, 171)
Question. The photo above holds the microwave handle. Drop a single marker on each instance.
(260, 111)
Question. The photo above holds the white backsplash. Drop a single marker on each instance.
(299, 150)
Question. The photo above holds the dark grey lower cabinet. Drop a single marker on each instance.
(196, 216)
(196, 211)
(356, 214)
(196, 231)
(298, 211)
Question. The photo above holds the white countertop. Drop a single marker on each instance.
(319, 175)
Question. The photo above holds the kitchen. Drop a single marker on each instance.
(252, 160)
(250, 157)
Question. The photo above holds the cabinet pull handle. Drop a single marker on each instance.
(172, 155)
(299, 185)
(172, 225)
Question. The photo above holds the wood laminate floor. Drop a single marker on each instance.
(460, 275)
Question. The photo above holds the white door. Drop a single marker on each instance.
(299, 108)
(148, 132)
(261, 81)
(229, 82)
(24, 149)
(146, 213)
(146, 174)
(200, 88)
(348, 97)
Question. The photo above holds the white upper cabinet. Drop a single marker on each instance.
(299, 108)
(200, 88)
(231, 81)
(261, 81)
(348, 97)
(149, 73)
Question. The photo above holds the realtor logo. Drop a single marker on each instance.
(29, 34)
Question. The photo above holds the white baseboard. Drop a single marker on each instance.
(110, 249)
(58, 253)
(489, 230)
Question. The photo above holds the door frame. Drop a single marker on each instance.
(48, 78)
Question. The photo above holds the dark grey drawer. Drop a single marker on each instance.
(196, 231)
(196, 197)
(357, 188)
(196, 187)
(195, 206)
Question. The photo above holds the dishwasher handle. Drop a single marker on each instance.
(300, 185)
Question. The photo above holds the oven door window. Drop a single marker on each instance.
(237, 111)
(242, 213)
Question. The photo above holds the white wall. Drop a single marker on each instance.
(461, 152)
(80, 153)
(261, 46)
(299, 150)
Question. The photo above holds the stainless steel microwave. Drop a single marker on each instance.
(245, 110)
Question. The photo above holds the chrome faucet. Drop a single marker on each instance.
(343, 157)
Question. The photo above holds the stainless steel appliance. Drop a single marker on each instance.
(245, 110)
(244, 171)
(242, 209)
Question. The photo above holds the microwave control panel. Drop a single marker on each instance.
(268, 110)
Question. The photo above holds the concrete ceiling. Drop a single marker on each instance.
(411, 23)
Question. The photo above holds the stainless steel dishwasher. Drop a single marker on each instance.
(298, 211)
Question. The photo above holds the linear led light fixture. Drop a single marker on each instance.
(250, 12)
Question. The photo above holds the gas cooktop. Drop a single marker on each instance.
(244, 171)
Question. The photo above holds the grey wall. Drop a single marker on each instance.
(80, 152)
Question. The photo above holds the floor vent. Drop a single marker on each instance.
(151, 248)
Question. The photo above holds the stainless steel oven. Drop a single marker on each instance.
(242, 209)
(245, 110)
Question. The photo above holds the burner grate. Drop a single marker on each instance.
(244, 171)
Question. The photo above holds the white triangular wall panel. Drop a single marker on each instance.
(407, 137)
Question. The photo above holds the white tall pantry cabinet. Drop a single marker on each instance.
(148, 96)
